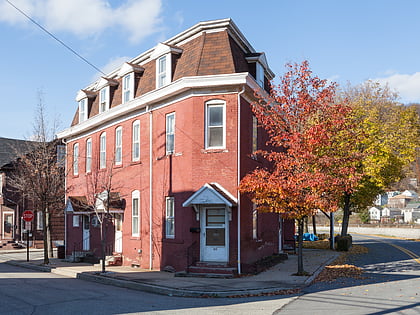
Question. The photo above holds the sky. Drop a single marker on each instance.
(346, 41)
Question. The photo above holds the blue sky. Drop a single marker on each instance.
(344, 41)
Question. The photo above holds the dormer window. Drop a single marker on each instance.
(259, 74)
(127, 73)
(104, 99)
(162, 71)
(128, 87)
(163, 55)
(83, 110)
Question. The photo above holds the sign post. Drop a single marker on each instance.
(27, 216)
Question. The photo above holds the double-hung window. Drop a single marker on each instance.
(135, 213)
(254, 134)
(162, 75)
(118, 146)
(76, 159)
(104, 99)
(102, 151)
(215, 125)
(259, 74)
(136, 141)
(170, 218)
(128, 87)
(39, 221)
(88, 155)
(83, 110)
(170, 133)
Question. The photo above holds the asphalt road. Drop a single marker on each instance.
(391, 286)
(391, 283)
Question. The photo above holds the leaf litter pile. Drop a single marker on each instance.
(339, 267)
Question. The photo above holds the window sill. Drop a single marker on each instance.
(205, 151)
(135, 162)
(118, 165)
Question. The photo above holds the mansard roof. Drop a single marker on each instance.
(208, 48)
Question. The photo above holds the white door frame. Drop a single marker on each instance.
(86, 232)
(214, 253)
(118, 233)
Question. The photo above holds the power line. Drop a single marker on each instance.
(54, 37)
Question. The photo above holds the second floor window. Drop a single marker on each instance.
(76, 159)
(170, 133)
(104, 99)
(83, 110)
(88, 155)
(254, 134)
(128, 87)
(215, 125)
(102, 151)
(118, 146)
(136, 141)
(135, 213)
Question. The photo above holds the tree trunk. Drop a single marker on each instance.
(314, 224)
(49, 239)
(44, 235)
(346, 214)
(300, 272)
(331, 217)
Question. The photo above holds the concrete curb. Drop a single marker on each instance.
(173, 291)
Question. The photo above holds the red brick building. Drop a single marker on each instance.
(175, 129)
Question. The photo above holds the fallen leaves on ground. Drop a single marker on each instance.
(339, 267)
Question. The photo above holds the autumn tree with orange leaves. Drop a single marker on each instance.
(310, 135)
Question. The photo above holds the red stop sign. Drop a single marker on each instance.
(28, 215)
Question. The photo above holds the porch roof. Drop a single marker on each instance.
(211, 193)
(80, 204)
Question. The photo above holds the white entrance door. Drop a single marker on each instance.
(118, 233)
(214, 234)
(86, 232)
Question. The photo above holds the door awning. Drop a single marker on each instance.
(211, 194)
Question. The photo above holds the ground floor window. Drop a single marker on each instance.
(170, 218)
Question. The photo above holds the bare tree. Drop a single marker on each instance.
(39, 175)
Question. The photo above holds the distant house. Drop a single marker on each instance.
(411, 213)
(375, 214)
(390, 215)
(14, 202)
(175, 127)
(399, 201)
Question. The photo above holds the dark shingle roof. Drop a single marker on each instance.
(10, 149)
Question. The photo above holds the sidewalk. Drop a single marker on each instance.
(276, 279)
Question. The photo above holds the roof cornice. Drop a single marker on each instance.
(154, 97)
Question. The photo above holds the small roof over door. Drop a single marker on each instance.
(210, 194)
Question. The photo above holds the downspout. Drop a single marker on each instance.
(65, 197)
(150, 189)
(239, 179)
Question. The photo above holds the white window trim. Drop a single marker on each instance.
(88, 155)
(104, 99)
(76, 159)
(210, 104)
(118, 145)
(167, 73)
(135, 195)
(254, 144)
(168, 152)
(254, 222)
(76, 220)
(102, 151)
(135, 155)
(83, 110)
(129, 88)
(172, 201)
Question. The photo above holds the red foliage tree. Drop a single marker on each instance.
(311, 163)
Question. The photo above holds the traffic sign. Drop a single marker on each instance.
(28, 215)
